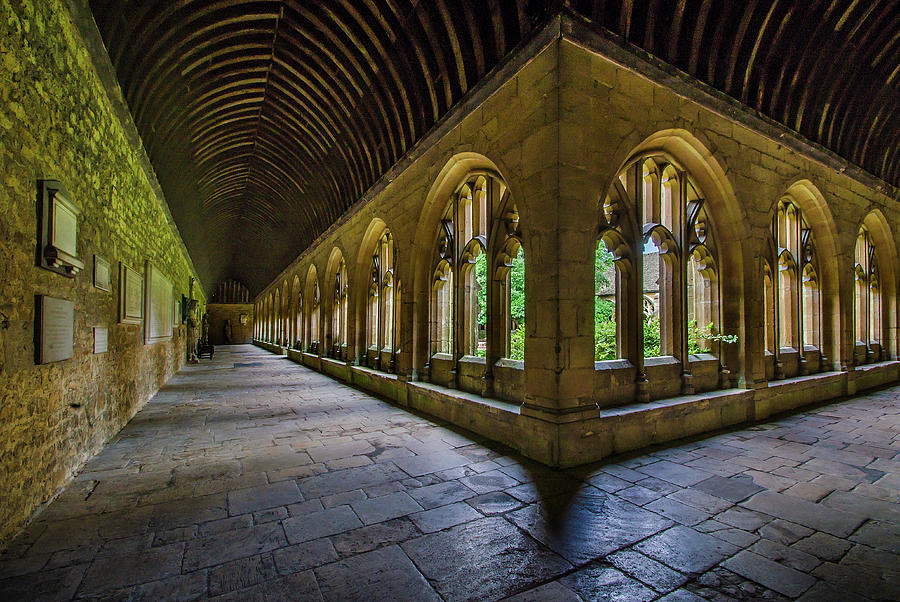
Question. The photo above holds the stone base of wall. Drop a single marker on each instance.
(609, 431)
(272, 348)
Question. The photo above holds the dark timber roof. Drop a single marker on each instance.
(267, 119)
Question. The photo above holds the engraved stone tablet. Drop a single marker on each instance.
(64, 224)
(130, 295)
(101, 273)
(101, 339)
(56, 329)
(58, 232)
(158, 307)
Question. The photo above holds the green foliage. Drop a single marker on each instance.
(517, 343)
(602, 260)
(516, 300)
(516, 282)
(604, 309)
(651, 336)
(517, 287)
(605, 340)
(697, 342)
(700, 341)
(481, 279)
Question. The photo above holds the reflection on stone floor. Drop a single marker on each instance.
(250, 477)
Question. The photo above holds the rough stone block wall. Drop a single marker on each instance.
(56, 122)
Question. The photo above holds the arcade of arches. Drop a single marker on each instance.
(682, 273)
(585, 256)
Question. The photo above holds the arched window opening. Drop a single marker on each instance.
(659, 283)
(339, 312)
(769, 308)
(477, 289)
(606, 298)
(657, 287)
(314, 320)
(285, 315)
(798, 303)
(509, 274)
(702, 302)
(787, 302)
(380, 302)
(387, 294)
(867, 303)
(442, 309)
(471, 211)
(811, 317)
(473, 277)
(611, 269)
(515, 348)
(298, 326)
(372, 317)
(875, 301)
(386, 255)
(460, 275)
(278, 340)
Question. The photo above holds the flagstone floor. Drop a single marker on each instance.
(251, 478)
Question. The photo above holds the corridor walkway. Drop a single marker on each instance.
(252, 478)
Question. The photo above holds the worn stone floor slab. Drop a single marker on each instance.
(249, 477)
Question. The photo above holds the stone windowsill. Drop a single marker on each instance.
(613, 365)
(373, 372)
(472, 359)
(469, 398)
(505, 362)
(661, 360)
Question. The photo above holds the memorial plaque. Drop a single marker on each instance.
(101, 339)
(55, 329)
(176, 312)
(101, 273)
(58, 240)
(130, 295)
(158, 306)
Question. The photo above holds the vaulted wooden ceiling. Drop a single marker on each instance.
(267, 119)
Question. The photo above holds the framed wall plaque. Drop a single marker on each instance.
(131, 299)
(101, 339)
(158, 306)
(101, 273)
(54, 329)
(58, 242)
(176, 312)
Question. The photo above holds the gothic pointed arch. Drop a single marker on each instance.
(312, 301)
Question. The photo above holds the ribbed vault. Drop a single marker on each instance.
(267, 119)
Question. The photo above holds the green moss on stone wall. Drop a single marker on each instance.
(56, 122)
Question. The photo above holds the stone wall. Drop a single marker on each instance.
(232, 312)
(56, 121)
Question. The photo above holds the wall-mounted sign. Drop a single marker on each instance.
(101, 339)
(101, 273)
(158, 306)
(54, 329)
(58, 246)
(131, 299)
